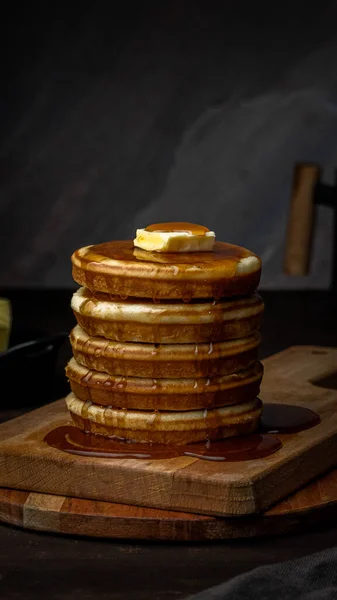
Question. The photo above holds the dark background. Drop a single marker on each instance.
(116, 115)
(165, 110)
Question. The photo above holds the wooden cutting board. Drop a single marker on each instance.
(310, 507)
(299, 375)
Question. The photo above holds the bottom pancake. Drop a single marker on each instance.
(166, 427)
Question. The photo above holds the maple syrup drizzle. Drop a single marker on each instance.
(125, 251)
(277, 418)
(73, 440)
(179, 226)
(287, 418)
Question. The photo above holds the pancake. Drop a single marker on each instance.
(163, 360)
(120, 269)
(163, 394)
(166, 427)
(166, 322)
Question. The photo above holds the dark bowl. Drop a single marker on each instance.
(28, 369)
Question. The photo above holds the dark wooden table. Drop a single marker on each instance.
(36, 565)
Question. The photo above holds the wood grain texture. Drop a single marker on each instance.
(184, 483)
(313, 505)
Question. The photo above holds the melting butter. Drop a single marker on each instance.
(175, 237)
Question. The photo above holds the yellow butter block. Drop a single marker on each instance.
(175, 237)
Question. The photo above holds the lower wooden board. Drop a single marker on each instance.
(310, 507)
(300, 375)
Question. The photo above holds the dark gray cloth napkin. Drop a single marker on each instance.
(310, 578)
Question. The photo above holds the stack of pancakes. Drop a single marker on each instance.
(166, 345)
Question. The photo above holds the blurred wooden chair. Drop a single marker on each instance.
(307, 192)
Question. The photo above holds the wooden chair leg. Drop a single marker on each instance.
(301, 219)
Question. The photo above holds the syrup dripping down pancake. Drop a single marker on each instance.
(120, 269)
(164, 360)
(164, 394)
(165, 427)
(166, 322)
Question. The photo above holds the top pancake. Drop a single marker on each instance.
(120, 269)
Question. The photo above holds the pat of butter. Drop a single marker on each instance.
(174, 241)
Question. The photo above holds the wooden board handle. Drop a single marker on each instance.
(301, 219)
